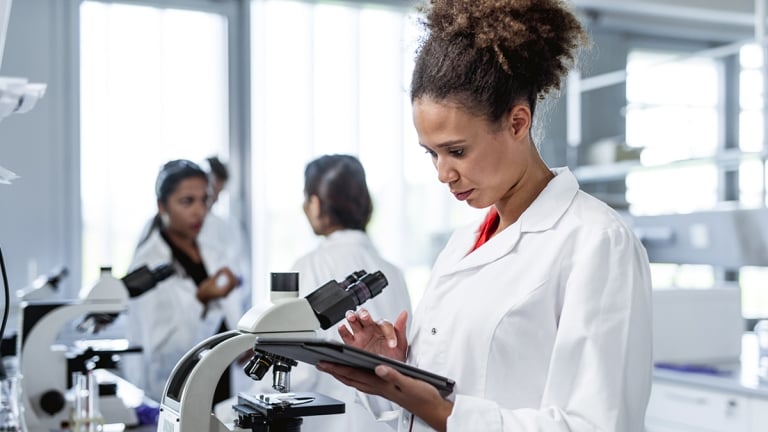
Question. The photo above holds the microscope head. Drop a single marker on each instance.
(331, 301)
(118, 291)
(328, 305)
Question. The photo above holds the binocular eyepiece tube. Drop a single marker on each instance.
(330, 304)
(331, 301)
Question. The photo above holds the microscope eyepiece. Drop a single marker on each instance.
(331, 301)
(352, 278)
(144, 279)
(367, 287)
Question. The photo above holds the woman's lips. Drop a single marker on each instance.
(461, 196)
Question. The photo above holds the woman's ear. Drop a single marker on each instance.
(314, 212)
(519, 121)
(313, 207)
(163, 213)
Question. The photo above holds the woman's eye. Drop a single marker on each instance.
(457, 152)
(430, 152)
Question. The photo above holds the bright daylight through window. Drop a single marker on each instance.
(338, 83)
(147, 97)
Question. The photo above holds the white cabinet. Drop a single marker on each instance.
(682, 408)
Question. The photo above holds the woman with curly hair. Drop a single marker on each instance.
(542, 313)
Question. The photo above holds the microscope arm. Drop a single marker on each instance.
(43, 367)
(275, 319)
(195, 377)
(40, 371)
(188, 394)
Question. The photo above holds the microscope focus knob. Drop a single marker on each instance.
(52, 402)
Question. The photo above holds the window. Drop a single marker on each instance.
(753, 280)
(673, 114)
(751, 172)
(154, 87)
(337, 82)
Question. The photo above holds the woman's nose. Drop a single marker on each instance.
(445, 171)
(201, 210)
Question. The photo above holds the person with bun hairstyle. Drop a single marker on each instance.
(541, 314)
(338, 207)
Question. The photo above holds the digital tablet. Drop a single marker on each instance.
(313, 351)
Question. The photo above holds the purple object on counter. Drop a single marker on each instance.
(148, 415)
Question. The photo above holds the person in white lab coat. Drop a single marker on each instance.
(226, 233)
(542, 315)
(192, 304)
(338, 207)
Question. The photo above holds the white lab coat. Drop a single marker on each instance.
(226, 235)
(546, 327)
(340, 254)
(168, 320)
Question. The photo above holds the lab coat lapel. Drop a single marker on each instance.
(541, 215)
(500, 245)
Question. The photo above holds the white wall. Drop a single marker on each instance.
(39, 212)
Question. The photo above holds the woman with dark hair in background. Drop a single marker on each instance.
(541, 314)
(338, 207)
(189, 306)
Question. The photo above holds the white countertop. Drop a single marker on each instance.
(740, 378)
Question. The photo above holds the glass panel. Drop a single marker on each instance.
(750, 183)
(381, 120)
(751, 131)
(338, 83)
(658, 78)
(285, 134)
(682, 276)
(673, 115)
(751, 56)
(751, 89)
(147, 97)
(670, 133)
(752, 173)
(672, 190)
(754, 288)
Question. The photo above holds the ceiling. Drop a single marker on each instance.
(723, 20)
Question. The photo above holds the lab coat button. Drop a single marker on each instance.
(434, 331)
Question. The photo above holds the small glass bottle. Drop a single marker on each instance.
(761, 333)
(87, 415)
(10, 415)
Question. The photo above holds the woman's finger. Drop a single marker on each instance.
(346, 335)
(388, 332)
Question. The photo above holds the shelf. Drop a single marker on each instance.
(604, 173)
(617, 171)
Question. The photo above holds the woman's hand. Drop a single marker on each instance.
(416, 396)
(382, 337)
(217, 286)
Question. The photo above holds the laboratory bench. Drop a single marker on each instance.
(731, 398)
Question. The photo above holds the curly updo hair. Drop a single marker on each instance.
(488, 55)
(339, 182)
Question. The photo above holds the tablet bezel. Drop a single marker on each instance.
(313, 350)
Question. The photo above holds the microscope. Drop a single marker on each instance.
(188, 395)
(46, 368)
